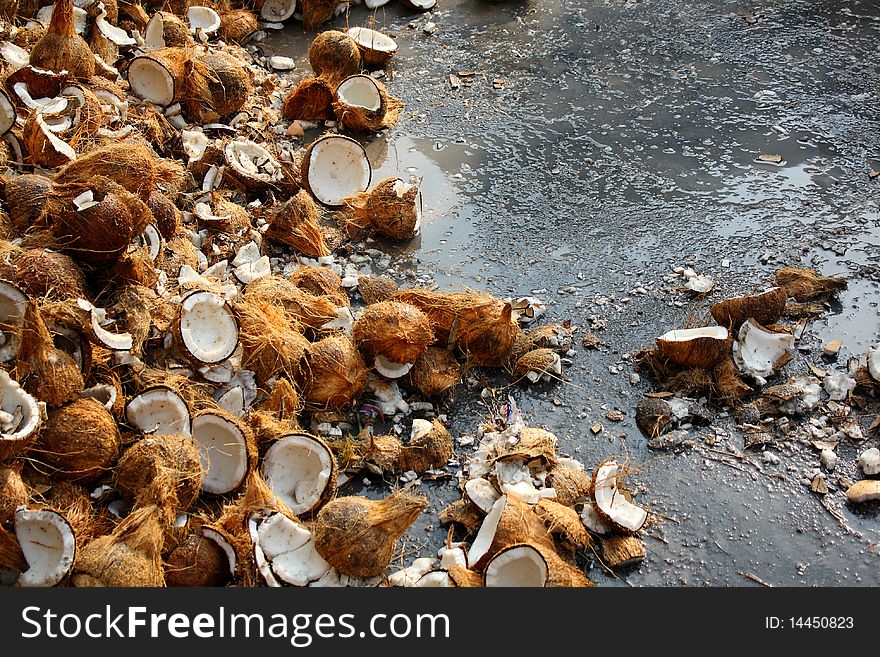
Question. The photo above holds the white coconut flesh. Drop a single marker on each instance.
(288, 549)
(12, 306)
(98, 319)
(554, 368)
(224, 545)
(154, 32)
(7, 114)
(252, 271)
(15, 56)
(372, 39)
(105, 394)
(48, 544)
(159, 411)
(686, 335)
(151, 81)
(19, 412)
(434, 580)
(57, 123)
(80, 17)
(593, 521)
(482, 493)
(202, 19)
(486, 534)
(222, 451)
(338, 167)
(389, 369)
(611, 502)
(400, 189)
(153, 241)
(758, 350)
(874, 362)
(208, 327)
(60, 146)
(520, 565)
(359, 91)
(233, 401)
(452, 556)
(114, 34)
(276, 11)
(298, 469)
(194, 144)
(252, 160)
(42, 105)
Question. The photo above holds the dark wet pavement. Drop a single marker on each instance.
(592, 147)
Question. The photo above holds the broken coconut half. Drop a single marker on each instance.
(301, 471)
(335, 167)
(202, 20)
(12, 306)
(48, 544)
(226, 449)
(363, 105)
(20, 417)
(610, 502)
(760, 352)
(376, 48)
(159, 411)
(697, 347)
(517, 565)
(284, 550)
(206, 328)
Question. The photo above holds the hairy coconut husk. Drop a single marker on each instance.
(237, 25)
(168, 218)
(80, 441)
(561, 573)
(374, 289)
(13, 492)
(435, 372)
(135, 267)
(430, 449)
(175, 32)
(728, 385)
(26, 197)
(795, 310)
(267, 427)
(532, 444)
(653, 416)
(335, 372)
(196, 561)
(270, 338)
(383, 209)
(807, 284)
(129, 556)
(175, 62)
(163, 470)
(333, 54)
(283, 402)
(536, 362)
(178, 252)
(73, 501)
(11, 556)
(9, 254)
(44, 148)
(571, 484)
(564, 522)
(320, 282)
(518, 524)
(135, 304)
(465, 578)
(381, 454)
(307, 309)
(46, 274)
(397, 331)
(462, 512)
(357, 536)
(172, 178)
(61, 48)
(311, 100)
(129, 165)
(361, 119)
(49, 374)
(135, 12)
(228, 83)
(621, 550)
(765, 308)
(295, 223)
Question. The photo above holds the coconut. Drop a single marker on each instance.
(270, 338)
(284, 551)
(435, 579)
(227, 450)
(161, 469)
(483, 332)
(309, 310)
(26, 199)
(311, 100)
(375, 47)
(8, 113)
(538, 365)
(357, 536)
(336, 372)
(160, 76)
(429, 446)
(611, 504)
(46, 274)
(80, 441)
(202, 21)
(335, 167)
(129, 556)
(13, 304)
(48, 544)
(13, 492)
(165, 30)
(420, 5)
(394, 334)
(168, 218)
(482, 493)
(295, 223)
(518, 565)
(728, 386)
(435, 372)
(206, 328)
(564, 522)
(363, 105)
(237, 25)
(530, 444)
(44, 147)
(250, 167)
(808, 285)
(653, 416)
(61, 48)
(374, 289)
(20, 418)
(571, 483)
(382, 454)
(509, 522)
(159, 411)
(228, 83)
(765, 308)
(129, 165)
(49, 374)
(393, 208)
(698, 347)
(197, 561)
(462, 512)
(562, 573)
(275, 11)
(301, 471)
(759, 352)
(320, 282)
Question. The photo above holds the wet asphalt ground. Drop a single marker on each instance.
(584, 149)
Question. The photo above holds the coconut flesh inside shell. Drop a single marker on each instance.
(378, 46)
(517, 565)
(159, 411)
(698, 347)
(360, 91)
(337, 167)
(48, 543)
(202, 18)
(758, 350)
(277, 11)
(611, 503)
(284, 550)
(19, 412)
(223, 452)
(208, 328)
(299, 469)
(12, 307)
(7, 114)
(150, 80)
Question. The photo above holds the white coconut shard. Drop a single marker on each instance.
(222, 451)
(301, 566)
(838, 385)
(287, 550)
(435, 579)
(159, 411)
(338, 167)
(223, 544)
(298, 469)
(279, 534)
(153, 241)
(373, 4)
(373, 39)
(48, 544)
(611, 502)
(59, 145)
(207, 327)
(452, 556)
(486, 534)
(223, 372)
(390, 369)
(253, 271)
(195, 142)
(527, 309)
(15, 56)
(874, 362)
(330, 579)
(151, 81)
(593, 521)
(21, 412)
(344, 321)
(278, 63)
(249, 253)
(252, 160)
(553, 371)
(12, 307)
(233, 401)
(265, 568)
(115, 34)
(277, 11)
(7, 114)
(80, 17)
(98, 319)
(413, 573)
(518, 565)
(869, 461)
(43, 105)
(758, 350)
(359, 91)
(154, 32)
(105, 394)
(482, 493)
(685, 335)
(85, 200)
(387, 397)
(202, 19)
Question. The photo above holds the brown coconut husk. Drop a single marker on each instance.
(333, 54)
(178, 252)
(135, 267)
(196, 561)
(308, 310)
(361, 119)
(13, 492)
(562, 573)
(162, 470)
(228, 84)
(61, 48)
(374, 289)
(728, 386)
(700, 352)
(540, 361)
(175, 31)
(795, 310)
(572, 486)
(45, 274)
(172, 178)
(295, 223)
(9, 254)
(49, 374)
(41, 83)
(533, 444)
(398, 331)
(271, 339)
(168, 218)
(134, 306)
(357, 536)
(431, 450)
(462, 512)
(130, 165)
(382, 210)
(653, 416)
(380, 454)
(41, 150)
(27, 37)
(807, 284)
(691, 383)
(564, 523)
(236, 25)
(765, 308)
(129, 556)
(267, 427)
(311, 100)
(73, 502)
(80, 441)
(522, 344)
(320, 282)
(283, 402)
(11, 556)
(621, 550)
(335, 372)
(134, 11)
(26, 197)
(518, 524)
(464, 578)
(865, 381)
(435, 372)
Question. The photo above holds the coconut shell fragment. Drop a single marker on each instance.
(700, 347)
(808, 285)
(311, 100)
(765, 308)
(430, 446)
